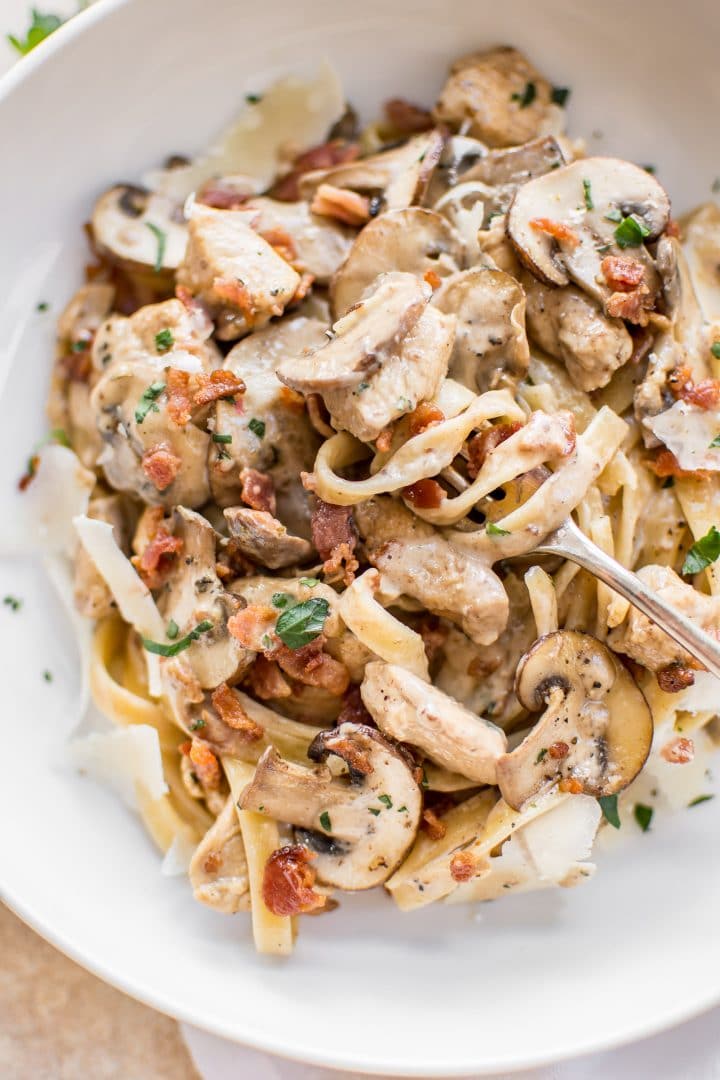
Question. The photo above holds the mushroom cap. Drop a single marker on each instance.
(414, 240)
(122, 226)
(561, 196)
(596, 729)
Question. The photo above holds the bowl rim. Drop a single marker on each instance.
(141, 989)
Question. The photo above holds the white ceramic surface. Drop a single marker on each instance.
(534, 979)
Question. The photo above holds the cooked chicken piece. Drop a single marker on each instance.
(234, 272)
(92, 595)
(218, 869)
(645, 642)
(417, 561)
(147, 452)
(319, 244)
(504, 98)
(571, 326)
(270, 429)
(265, 540)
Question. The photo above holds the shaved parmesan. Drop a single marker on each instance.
(122, 759)
(687, 430)
(291, 115)
(178, 855)
(130, 593)
(559, 839)
(43, 514)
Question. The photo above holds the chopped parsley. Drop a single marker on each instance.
(221, 438)
(13, 602)
(631, 232)
(652, 169)
(602, 248)
(643, 815)
(41, 27)
(325, 821)
(541, 755)
(161, 649)
(703, 552)
(148, 401)
(197, 724)
(715, 443)
(715, 349)
(309, 582)
(362, 386)
(374, 810)
(164, 340)
(587, 193)
(161, 238)
(494, 530)
(302, 623)
(172, 630)
(281, 599)
(404, 809)
(257, 427)
(82, 345)
(47, 675)
(700, 799)
(609, 807)
(386, 800)
(42, 306)
(253, 99)
(560, 94)
(527, 97)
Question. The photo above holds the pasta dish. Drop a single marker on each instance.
(325, 390)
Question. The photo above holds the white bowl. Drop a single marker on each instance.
(535, 978)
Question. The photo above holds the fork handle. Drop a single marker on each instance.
(575, 546)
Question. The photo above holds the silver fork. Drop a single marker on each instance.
(567, 540)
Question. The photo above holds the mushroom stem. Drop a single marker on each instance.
(289, 792)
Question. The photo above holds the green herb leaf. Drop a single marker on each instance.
(197, 724)
(652, 169)
(172, 630)
(13, 602)
(147, 401)
(609, 807)
(325, 821)
(602, 248)
(257, 427)
(361, 386)
(161, 649)
(161, 238)
(587, 192)
(715, 443)
(631, 232)
(41, 27)
(302, 623)
(47, 675)
(494, 530)
(643, 815)
(386, 800)
(281, 599)
(42, 306)
(374, 810)
(527, 97)
(80, 346)
(309, 582)
(560, 94)
(221, 438)
(715, 349)
(613, 215)
(700, 799)
(253, 99)
(402, 810)
(703, 552)
(164, 340)
(541, 755)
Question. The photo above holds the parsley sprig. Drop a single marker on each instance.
(703, 553)
(148, 401)
(302, 623)
(161, 649)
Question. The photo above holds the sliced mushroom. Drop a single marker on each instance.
(490, 338)
(400, 175)
(596, 731)
(412, 240)
(360, 824)
(409, 710)
(218, 870)
(320, 245)
(140, 230)
(193, 594)
(560, 226)
(499, 97)
(572, 327)
(265, 540)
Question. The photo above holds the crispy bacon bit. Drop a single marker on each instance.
(426, 494)
(570, 785)
(357, 760)
(231, 712)
(384, 440)
(462, 866)
(666, 464)
(674, 678)
(483, 444)
(434, 635)
(425, 416)
(288, 881)
(258, 490)
(179, 405)
(434, 280)
(266, 680)
(559, 750)
(237, 295)
(26, 478)
(622, 272)
(353, 709)
(155, 561)
(431, 824)
(560, 232)
(249, 625)
(324, 156)
(282, 241)
(205, 764)
(212, 862)
(678, 751)
(311, 666)
(341, 203)
(406, 118)
(633, 306)
(218, 384)
(335, 537)
(160, 466)
(705, 394)
(221, 196)
(292, 400)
